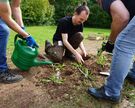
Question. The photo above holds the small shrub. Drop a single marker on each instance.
(37, 12)
(101, 60)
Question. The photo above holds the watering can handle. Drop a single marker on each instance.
(18, 36)
(15, 38)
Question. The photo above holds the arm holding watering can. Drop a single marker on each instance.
(7, 21)
(16, 12)
(5, 15)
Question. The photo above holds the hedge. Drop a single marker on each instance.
(37, 12)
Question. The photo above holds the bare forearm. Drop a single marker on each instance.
(5, 14)
(16, 11)
(14, 26)
(82, 47)
(67, 44)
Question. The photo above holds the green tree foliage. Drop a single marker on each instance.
(37, 12)
(64, 7)
(97, 18)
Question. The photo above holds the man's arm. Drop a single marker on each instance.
(69, 47)
(83, 49)
(5, 14)
(67, 44)
(16, 11)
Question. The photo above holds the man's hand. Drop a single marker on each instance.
(31, 42)
(84, 53)
(79, 58)
(106, 46)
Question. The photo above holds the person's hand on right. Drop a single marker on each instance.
(31, 42)
(79, 58)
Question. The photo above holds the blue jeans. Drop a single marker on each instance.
(124, 51)
(4, 34)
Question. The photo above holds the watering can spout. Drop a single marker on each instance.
(25, 57)
(37, 62)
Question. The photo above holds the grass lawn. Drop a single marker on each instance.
(41, 33)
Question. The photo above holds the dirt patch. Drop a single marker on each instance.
(62, 85)
(72, 77)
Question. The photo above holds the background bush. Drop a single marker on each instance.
(98, 18)
(64, 7)
(37, 12)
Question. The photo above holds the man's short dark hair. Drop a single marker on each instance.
(81, 8)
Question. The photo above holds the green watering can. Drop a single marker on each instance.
(25, 57)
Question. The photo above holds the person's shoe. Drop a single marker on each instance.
(130, 77)
(7, 77)
(99, 93)
(47, 45)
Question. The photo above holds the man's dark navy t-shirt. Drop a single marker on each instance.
(130, 5)
(65, 25)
